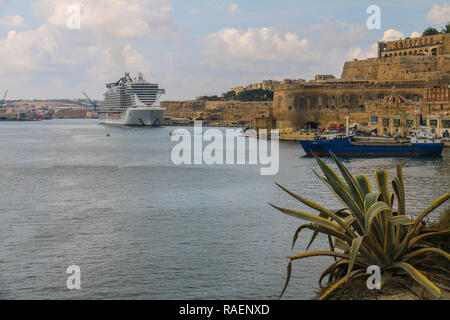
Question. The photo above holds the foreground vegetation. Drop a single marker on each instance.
(372, 229)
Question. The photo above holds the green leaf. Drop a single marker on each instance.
(382, 176)
(426, 250)
(400, 220)
(354, 252)
(331, 268)
(319, 253)
(370, 199)
(288, 278)
(344, 196)
(307, 216)
(339, 283)
(372, 212)
(435, 204)
(355, 189)
(426, 235)
(330, 173)
(324, 212)
(364, 182)
(419, 277)
(297, 232)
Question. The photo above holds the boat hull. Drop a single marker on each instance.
(345, 148)
(136, 117)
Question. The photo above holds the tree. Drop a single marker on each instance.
(446, 29)
(430, 31)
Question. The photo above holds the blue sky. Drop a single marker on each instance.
(191, 48)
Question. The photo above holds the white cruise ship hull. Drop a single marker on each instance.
(140, 116)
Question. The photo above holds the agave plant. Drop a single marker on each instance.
(370, 230)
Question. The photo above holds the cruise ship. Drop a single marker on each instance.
(132, 102)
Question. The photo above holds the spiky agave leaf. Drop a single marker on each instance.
(368, 229)
(419, 277)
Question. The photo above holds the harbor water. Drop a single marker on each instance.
(140, 227)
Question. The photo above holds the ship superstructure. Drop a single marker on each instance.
(132, 102)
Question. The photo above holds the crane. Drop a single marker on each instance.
(2, 102)
(92, 102)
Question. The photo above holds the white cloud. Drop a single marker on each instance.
(415, 34)
(233, 8)
(103, 41)
(13, 21)
(391, 34)
(28, 51)
(361, 54)
(439, 14)
(281, 53)
(264, 44)
(126, 57)
(116, 18)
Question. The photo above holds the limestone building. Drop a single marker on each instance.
(417, 77)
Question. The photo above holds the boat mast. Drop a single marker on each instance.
(347, 124)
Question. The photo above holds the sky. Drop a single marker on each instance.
(191, 47)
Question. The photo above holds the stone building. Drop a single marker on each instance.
(217, 110)
(366, 83)
(433, 45)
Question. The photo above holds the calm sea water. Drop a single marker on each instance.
(140, 227)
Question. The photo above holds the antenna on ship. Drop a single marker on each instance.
(2, 102)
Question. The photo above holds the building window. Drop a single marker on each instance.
(385, 122)
(396, 122)
(445, 123)
(290, 108)
(409, 122)
(433, 123)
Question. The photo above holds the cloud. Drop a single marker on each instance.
(122, 18)
(439, 14)
(28, 51)
(360, 53)
(283, 53)
(233, 8)
(12, 21)
(103, 41)
(261, 44)
(126, 56)
(415, 34)
(391, 34)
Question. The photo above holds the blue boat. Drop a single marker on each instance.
(421, 143)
